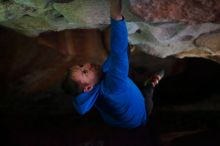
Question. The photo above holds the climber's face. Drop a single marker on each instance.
(86, 75)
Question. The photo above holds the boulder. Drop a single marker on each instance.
(181, 28)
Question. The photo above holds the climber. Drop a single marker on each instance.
(108, 87)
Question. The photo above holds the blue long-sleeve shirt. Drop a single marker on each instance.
(116, 97)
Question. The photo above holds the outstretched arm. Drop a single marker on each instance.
(115, 9)
(118, 35)
(117, 73)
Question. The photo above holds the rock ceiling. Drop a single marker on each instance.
(184, 28)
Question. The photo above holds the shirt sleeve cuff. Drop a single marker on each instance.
(113, 20)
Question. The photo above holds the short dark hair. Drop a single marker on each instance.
(70, 86)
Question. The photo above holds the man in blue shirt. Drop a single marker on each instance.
(108, 87)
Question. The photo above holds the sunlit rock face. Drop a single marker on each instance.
(184, 28)
(190, 11)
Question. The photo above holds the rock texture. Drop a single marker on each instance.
(184, 28)
(190, 11)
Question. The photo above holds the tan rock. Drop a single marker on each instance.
(195, 52)
(210, 41)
